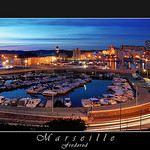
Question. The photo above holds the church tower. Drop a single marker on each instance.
(57, 49)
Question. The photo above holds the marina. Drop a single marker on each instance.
(69, 90)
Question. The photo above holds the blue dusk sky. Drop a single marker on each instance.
(87, 34)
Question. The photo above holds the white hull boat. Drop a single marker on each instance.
(67, 102)
(49, 93)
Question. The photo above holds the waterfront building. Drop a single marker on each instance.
(147, 45)
(125, 51)
(87, 56)
(76, 54)
(10, 59)
(131, 47)
(40, 60)
(111, 52)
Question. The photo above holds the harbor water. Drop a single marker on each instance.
(95, 88)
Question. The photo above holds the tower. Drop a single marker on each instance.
(76, 54)
(57, 49)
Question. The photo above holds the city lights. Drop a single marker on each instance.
(80, 64)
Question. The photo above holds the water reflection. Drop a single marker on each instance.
(128, 64)
(93, 89)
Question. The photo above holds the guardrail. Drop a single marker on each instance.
(116, 112)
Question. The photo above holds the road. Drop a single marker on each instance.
(133, 123)
(76, 68)
(128, 122)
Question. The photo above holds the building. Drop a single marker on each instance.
(147, 45)
(40, 60)
(57, 49)
(111, 51)
(87, 56)
(125, 51)
(131, 47)
(10, 59)
(76, 54)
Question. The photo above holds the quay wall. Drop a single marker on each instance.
(35, 117)
(123, 111)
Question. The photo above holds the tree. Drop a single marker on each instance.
(66, 125)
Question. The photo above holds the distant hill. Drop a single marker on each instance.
(21, 52)
(42, 52)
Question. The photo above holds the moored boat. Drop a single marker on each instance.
(33, 103)
(49, 93)
(95, 101)
(67, 102)
(86, 103)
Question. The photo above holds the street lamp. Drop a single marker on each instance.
(52, 101)
(140, 118)
(25, 63)
(120, 116)
(136, 95)
(52, 98)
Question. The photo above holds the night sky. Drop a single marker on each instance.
(86, 34)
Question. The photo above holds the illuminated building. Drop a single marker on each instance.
(131, 47)
(8, 59)
(125, 51)
(76, 54)
(111, 51)
(40, 60)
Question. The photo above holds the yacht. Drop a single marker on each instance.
(6, 102)
(103, 101)
(14, 101)
(86, 103)
(112, 102)
(95, 101)
(33, 103)
(49, 93)
(22, 102)
(2, 99)
(67, 102)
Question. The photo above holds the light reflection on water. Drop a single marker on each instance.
(95, 88)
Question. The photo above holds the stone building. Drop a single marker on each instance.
(76, 54)
(40, 60)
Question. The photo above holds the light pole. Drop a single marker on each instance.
(120, 116)
(52, 99)
(140, 118)
(146, 60)
(52, 102)
(136, 95)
